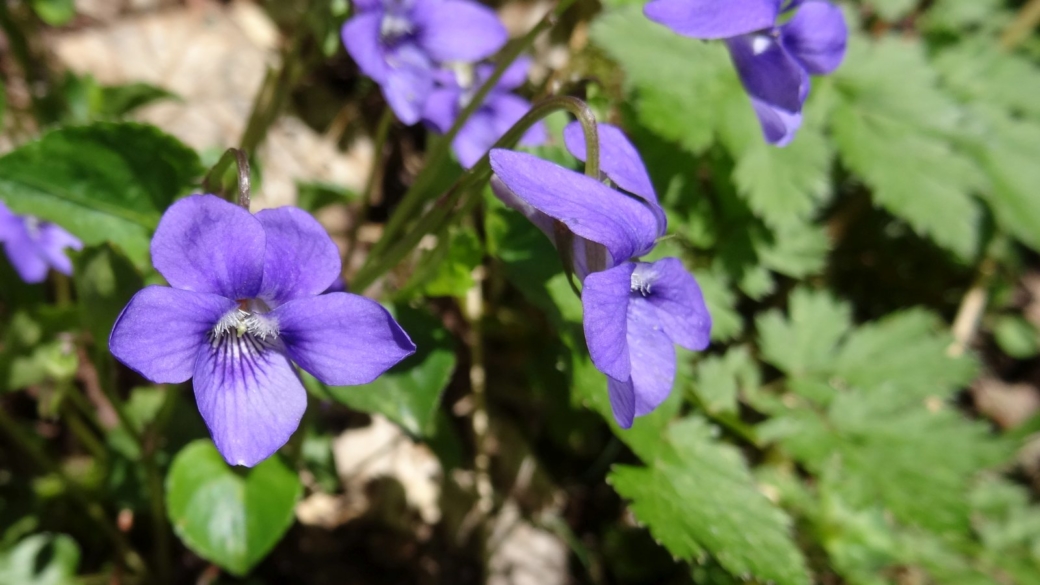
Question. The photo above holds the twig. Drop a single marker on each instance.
(973, 305)
(1025, 21)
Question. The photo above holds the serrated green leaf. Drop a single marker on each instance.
(229, 516)
(726, 322)
(720, 379)
(698, 497)
(410, 392)
(908, 350)
(978, 71)
(805, 342)
(952, 15)
(670, 74)
(102, 182)
(41, 559)
(893, 131)
(795, 250)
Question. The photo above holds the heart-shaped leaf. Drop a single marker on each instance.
(232, 517)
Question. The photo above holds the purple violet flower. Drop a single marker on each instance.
(500, 110)
(634, 312)
(244, 304)
(34, 246)
(774, 62)
(398, 43)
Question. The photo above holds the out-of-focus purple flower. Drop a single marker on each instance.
(244, 304)
(34, 246)
(398, 43)
(774, 62)
(633, 311)
(500, 110)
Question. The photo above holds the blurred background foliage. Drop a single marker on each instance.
(867, 413)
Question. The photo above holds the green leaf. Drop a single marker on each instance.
(977, 70)
(678, 81)
(908, 350)
(795, 250)
(720, 379)
(410, 392)
(953, 15)
(102, 182)
(232, 517)
(698, 497)
(805, 342)
(315, 196)
(892, 10)
(451, 264)
(54, 12)
(726, 322)
(117, 101)
(105, 282)
(894, 132)
(1016, 336)
(895, 453)
(41, 559)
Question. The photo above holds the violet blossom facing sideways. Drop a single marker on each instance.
(34, 246)
(773, 61)
(400, 43)
(500, 110)
(244, 304)
(634, 312)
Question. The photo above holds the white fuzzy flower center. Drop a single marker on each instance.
(248, 319)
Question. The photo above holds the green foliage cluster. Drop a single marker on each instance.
(824, 437)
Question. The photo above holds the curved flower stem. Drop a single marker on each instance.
(382, 130)
(376, 266)
(94, 510)
(214, 181)
(417, 192)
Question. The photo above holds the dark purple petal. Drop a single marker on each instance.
(590, 209)
(160, 330)
(342, 339)
(622, 401)
(53, 240)
(25, 256)
(677, 297)
(361, 38)
(458, 30)
(652, 354)
(778, 127)
(206, 244)
(250, 397)
(441, 109)
(300, 260)
(408, 85)
(768, 72)
(713, 19)
(816, 36)
(604, 299)
(475, 138)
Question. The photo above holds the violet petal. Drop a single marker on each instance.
(206, 244)
(341, 338)
(713, 19)
(816, 36)
(679, 302)
(250, 397)
(300, 260)
(160, 330)
(604, 298)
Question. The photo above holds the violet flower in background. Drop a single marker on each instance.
(244, 304)
(634, 312)
(500, 110)
(399, 44)
(34, 246)
(774, 62)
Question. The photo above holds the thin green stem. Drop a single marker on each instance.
(417, 192)
(376, 266)
(214, 180)
(94, 510)
(379, 143)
